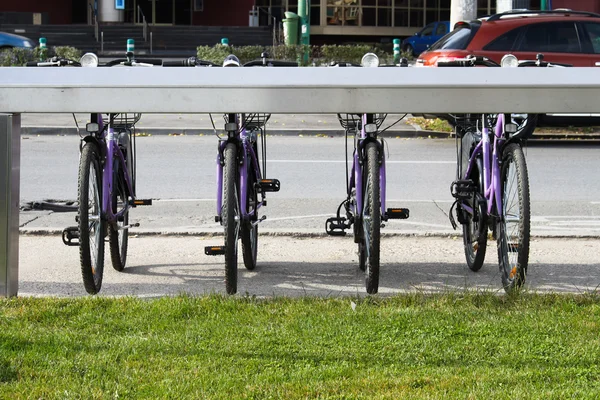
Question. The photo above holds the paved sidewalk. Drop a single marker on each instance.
(300, 266)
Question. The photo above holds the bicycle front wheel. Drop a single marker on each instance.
(513, 228)
(92, 227)
(230, 216)
(371, 219)
(118, 235)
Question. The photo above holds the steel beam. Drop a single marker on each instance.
(300, 90)
(10, 153)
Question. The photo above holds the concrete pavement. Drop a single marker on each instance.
(303, 266)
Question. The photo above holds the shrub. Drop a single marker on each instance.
(16, 57)
(317, 54)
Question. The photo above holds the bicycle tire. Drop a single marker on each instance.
(248, 230)
(118, 239)
(371, 218)
(514, 229)
(91, 235)
(228, 216)
(475, 228)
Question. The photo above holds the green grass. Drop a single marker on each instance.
(411, 346)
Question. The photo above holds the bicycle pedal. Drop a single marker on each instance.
(463, 189)
(336, 226)
(269, 185)
(397, 213)
(70, 236)
(214, 250)
(140, 202)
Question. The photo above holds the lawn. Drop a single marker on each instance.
(456, 345)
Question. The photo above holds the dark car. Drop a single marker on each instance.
(10, 40)
(427, 36)
(563, 36)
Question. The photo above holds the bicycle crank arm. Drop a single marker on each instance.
(122, 228)
(259, 221)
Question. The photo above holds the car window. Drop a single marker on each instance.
(505, 42)
(441, 29)
(593, 31)
(427, 31)
(559, 37)
(458, 39)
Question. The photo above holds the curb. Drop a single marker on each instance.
(71, 131)
(557, 138)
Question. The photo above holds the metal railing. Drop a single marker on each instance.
(144, 22)
(94, 15)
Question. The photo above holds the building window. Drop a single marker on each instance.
(343, 12)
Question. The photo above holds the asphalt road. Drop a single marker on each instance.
(178, 172)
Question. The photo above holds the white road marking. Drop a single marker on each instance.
(343, 162)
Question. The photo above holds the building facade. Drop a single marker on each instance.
(352, 18)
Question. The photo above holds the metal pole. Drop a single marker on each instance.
(10, 151)
(462, 10)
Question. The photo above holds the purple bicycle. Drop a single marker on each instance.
(241, 186)
(365, 204)
(492, 186)
(106, 183)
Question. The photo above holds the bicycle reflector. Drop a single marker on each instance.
(509, 61)
(89, 60)
(370, 60)
(92, 127)
(370, 128)
(510, 128)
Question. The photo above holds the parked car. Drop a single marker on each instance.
(427, 36)
(563, 36)
(10, 40)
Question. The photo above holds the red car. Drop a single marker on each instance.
(563, 36)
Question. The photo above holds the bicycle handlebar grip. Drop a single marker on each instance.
(31, 64)
(455, 63)
(175, 63)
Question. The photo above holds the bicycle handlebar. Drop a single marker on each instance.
(471, 61)
(266, 62)
(53, 62)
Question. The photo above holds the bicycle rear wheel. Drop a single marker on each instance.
(248, 231)
(371, 219)
(513, 228)
(230, 216)
(92, 228)
(475, 228)
(117, 236)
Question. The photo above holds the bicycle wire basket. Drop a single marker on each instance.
(252, 121)
(124, 120)
(255, 121)
(354, 121)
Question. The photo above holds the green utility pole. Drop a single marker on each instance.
(43, 49)
(304, 13)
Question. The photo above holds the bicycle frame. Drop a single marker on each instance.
(108, 141)
(356, 174)
(491, 167)
(248, 155)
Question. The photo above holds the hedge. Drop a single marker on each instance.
(19, 56)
